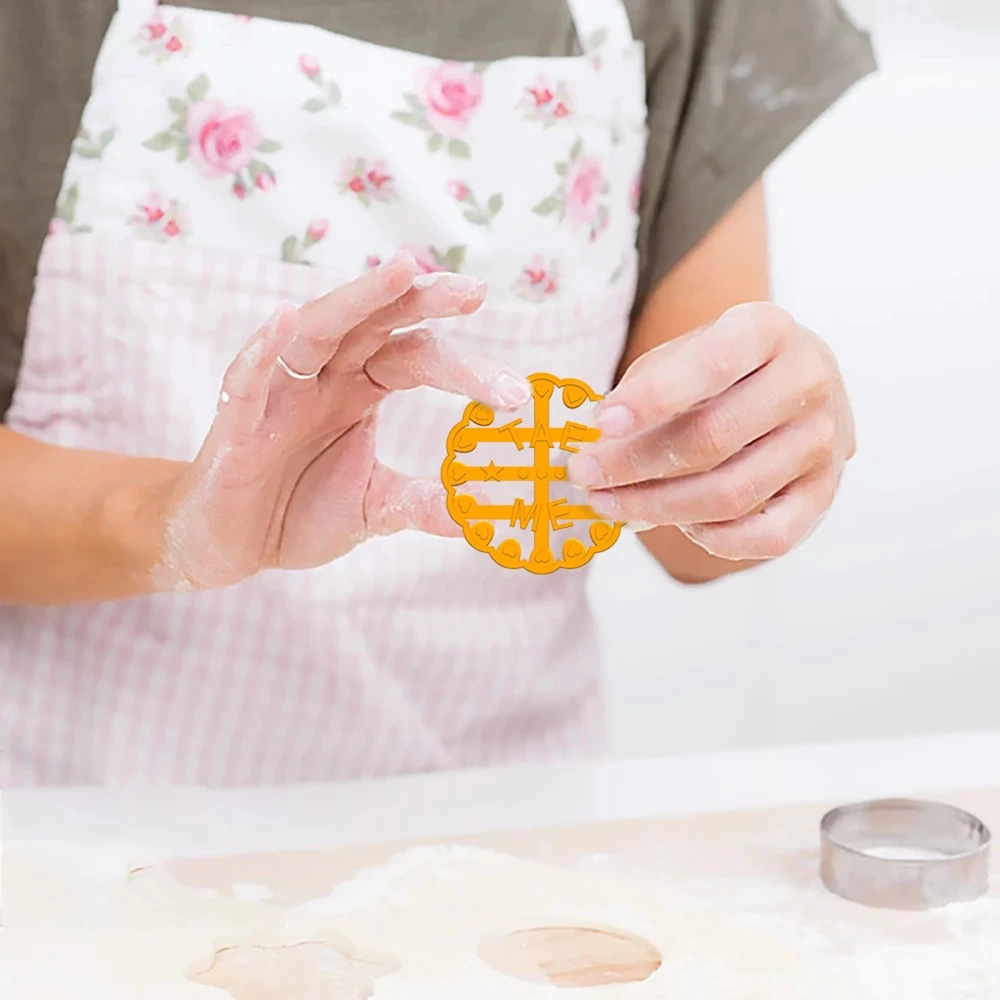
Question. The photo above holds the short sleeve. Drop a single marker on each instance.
(731, 84)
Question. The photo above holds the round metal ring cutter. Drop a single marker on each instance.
(903, 854)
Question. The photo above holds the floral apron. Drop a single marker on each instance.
(218, 156)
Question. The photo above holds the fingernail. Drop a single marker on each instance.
(428, 280)
(640, 526)
(511, 390)
(615, 421)
(583, 470)
(605, 502)
(458, 282)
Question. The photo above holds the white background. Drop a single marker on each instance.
(886, 240)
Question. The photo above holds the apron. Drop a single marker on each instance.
(224, 164)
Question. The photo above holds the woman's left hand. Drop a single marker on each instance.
(737, 433)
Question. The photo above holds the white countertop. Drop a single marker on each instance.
(190, 820)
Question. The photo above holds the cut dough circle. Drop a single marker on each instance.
(571, 957)
(312, 970)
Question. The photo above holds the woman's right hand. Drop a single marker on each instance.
(287, 476)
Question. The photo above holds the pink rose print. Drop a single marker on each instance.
(538, 281)
(370, 181)
(318, 228)
(452, 92)
(372, 261)
(579, 198)
(445, 101)
(329, 92)
(160, 41)
(584, 187)
(293, 249)
(154, 220)
(154, 29)
(150, 210)
(220, 141)
(546, 103)
(473, 212)
(265, 181)
(244, 18)
(65, 217)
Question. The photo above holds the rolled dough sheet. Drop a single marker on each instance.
(411, 929)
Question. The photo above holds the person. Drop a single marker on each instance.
(261, 583)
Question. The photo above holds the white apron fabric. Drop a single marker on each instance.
(226, 163)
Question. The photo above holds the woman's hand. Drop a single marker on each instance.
(737, 433)
(287, 476)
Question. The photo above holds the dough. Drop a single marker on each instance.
(416, 928)
(293, 972)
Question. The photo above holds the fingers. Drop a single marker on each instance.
(395, 502)
(418, 358)
(247, 381)
(782, 524)
(684, 372)
(714, 431)
(433, 296)
(326, 321)
(735, 488)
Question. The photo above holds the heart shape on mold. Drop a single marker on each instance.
(481, 415)
(573, 549)
(600, 532)
(483, 531)
(543, 389)
(573, 396)
(464, 503)
(464, 441)
(511, 549)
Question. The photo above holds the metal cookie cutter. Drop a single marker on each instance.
(902, 854)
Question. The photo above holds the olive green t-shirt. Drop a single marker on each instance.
(731, 83)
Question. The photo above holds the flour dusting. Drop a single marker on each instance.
(952, 953)
(386, 885)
